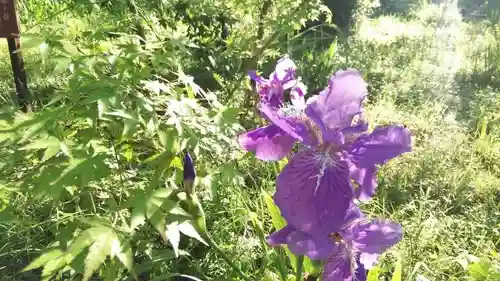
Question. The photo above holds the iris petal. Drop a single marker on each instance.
(314, 194)
(376, 235)
(285, 70)
(366, 179)
(291, 125)
(383, 144)
(343, 266)
(301, 243)
(269, 143)
(336, 106)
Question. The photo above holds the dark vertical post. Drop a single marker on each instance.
(17, 61)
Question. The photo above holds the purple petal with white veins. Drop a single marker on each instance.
(314, 192)
(301, 243)
(368, 260)
(343, 266)
(381, 145)
(256, 77)
(297, 94)
(376, 235)
(285, 69)
(366, 178)
(336, 106)
(291, 125)
(269, 143)
(280, 237)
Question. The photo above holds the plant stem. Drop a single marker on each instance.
(212, 244)
(300, 263)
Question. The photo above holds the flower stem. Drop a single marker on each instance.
(216, 247)
(300, 263)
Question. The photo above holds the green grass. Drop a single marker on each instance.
(445, 193)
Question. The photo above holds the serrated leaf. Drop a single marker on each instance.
(98, 252)
(122, 250)
(69, 47)
(138, 216)
(373, 273)
(174, 237)
(396, 276)
(163, 136)
(62, 64)
(84, 240)
(52, 267)
(188, 229)
(479, 270)
(43, 259)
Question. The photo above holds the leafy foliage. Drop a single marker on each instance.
(91, 180)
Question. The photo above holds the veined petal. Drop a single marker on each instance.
(336, 106)
(366, 178)
(301, 243)
(291, 125)
(381, 145)
(285, 70)
(257, 78)
(280, 237)
(269, 143)
(368, 260)
(314, 192)
(297, 94)
(343, 266)
(376, 235)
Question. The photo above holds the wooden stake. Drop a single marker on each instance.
(16, 58)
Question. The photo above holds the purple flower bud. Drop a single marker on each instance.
(189, 172)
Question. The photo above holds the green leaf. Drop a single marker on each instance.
(85, 239)
(331, 50)
(373, 274)
(122, 250)
(173, 235)
(163, 136)
(279, 223)
(52, 267)
(98, 252)
(62, 64)
(396, 276)
(138, 216)
(188, 229)
(43, 259)
(479, 270)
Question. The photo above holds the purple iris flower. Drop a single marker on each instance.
(271, 91)
(348, 252)
(317, 183)
(275, 141)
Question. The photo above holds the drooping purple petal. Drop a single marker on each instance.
(269, 143)
(336, 106)
(297, 94)
(368, 260)
(366, 178)
(301, 243)
(383, 144)
(284, 71)
(280, 237)
(376, 235)
(314, 192)
(343, 266)
(256, 77)
(291, 125)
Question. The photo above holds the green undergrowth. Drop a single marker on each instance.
(437, 76)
